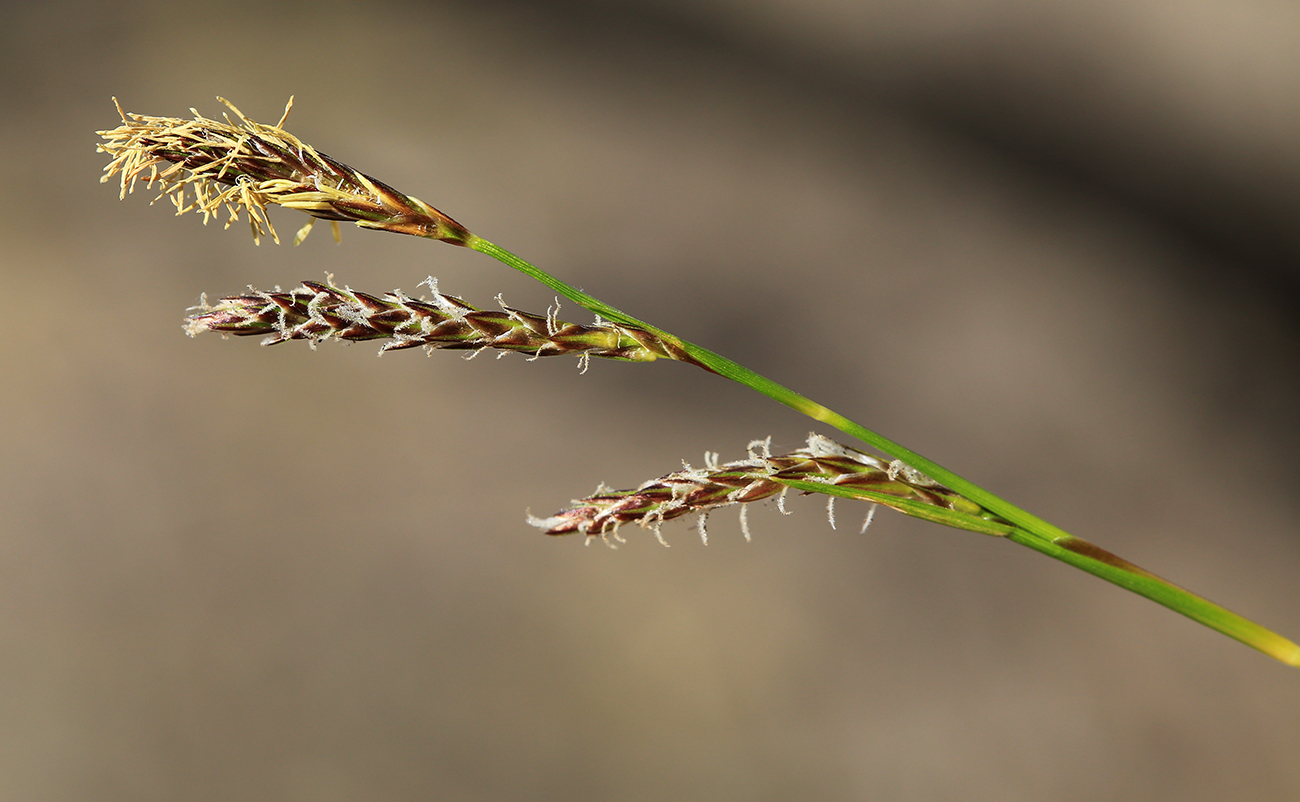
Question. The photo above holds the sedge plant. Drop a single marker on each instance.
(222, 169)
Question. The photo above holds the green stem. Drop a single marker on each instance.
(1029, 530)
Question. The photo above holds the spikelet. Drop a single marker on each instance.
(316, 312)
(207, 166)
(760, 476)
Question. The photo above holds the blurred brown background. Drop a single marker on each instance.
(1052, 245)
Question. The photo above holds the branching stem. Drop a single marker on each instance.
(1029, 530)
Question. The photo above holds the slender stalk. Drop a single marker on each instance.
(1028, 530)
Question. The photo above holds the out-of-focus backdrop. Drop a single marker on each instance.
(1052, 245)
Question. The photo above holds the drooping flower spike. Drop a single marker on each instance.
(207, 165)
(823, 466)
(316, 312)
